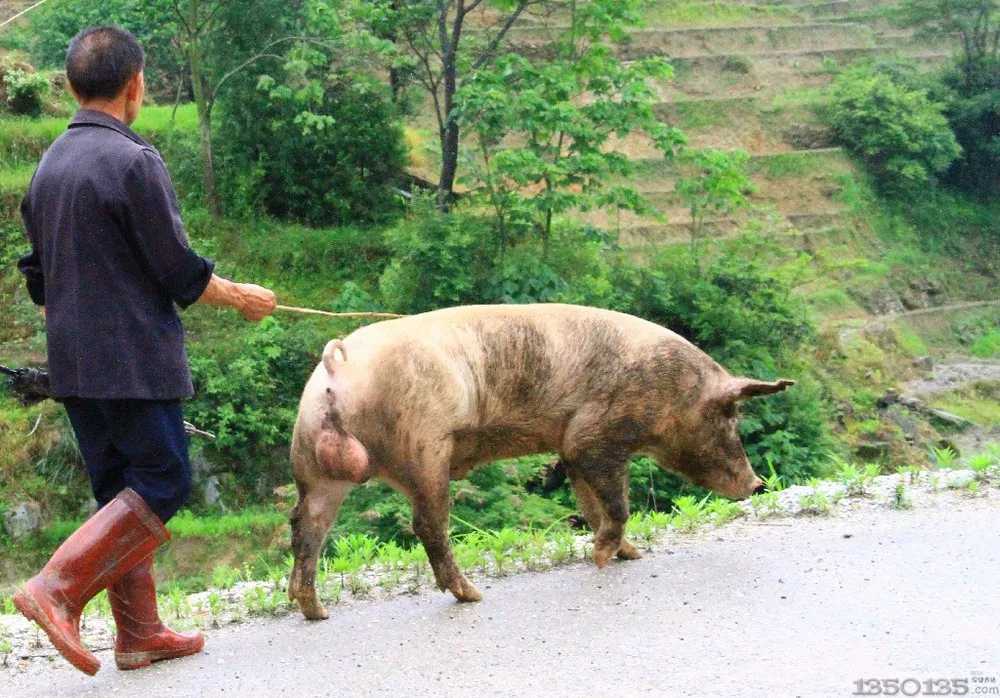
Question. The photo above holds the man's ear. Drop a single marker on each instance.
(135, 88)
(737, 389)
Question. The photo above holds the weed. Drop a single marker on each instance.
(944, 457)
(973, 488)
(765, 504)
(773, 482)
(980, 465)
(856, 480)
(912, 473)
(689, 513)
(900, 499)
(224, 577)
(817, 502)
(723, 511)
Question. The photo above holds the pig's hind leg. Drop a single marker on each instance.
(311, 519)
(320, 497)
(427, 489)
(593, 512)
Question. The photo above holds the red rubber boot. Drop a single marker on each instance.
(108, 544)
(142, 638)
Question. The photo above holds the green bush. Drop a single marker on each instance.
(247, 394)
(899, 131)
(438, 260)
(974, 114)
(25, 91)
(333, 161)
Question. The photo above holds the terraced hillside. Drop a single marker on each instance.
(752, 76)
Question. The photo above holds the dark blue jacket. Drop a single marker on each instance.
(109, 261)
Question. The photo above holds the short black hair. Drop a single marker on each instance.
(101, 60)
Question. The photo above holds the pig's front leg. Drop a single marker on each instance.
(606, 479)
(593, 511)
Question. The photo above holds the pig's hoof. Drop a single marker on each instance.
(466, 591)
(628, 552)
(312, 609)
(602, 556)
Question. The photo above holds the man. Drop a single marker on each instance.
(109, 262)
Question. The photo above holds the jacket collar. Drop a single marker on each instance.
(90, 117)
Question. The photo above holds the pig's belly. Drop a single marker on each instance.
(484, 444)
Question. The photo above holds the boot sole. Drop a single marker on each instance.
(128, 661)
(70, 651)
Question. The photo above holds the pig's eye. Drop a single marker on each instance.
(729, 411)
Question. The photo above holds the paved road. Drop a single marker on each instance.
(800, 608)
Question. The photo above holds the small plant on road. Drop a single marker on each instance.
(900, 499)
(765, 504)
(944, 457)
(856, 479)
(722, 511)
(689, 513)
(817, 502)
(980, 464)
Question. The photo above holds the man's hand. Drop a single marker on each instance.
(252, 301)
(257, 302)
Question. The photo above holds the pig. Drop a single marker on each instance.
(421, 400)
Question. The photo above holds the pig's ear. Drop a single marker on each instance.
(745, 388)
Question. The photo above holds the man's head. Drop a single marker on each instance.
(105, 70)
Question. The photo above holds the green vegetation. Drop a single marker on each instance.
(302, 151)
(900, 132)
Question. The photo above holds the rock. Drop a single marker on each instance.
(948, 419)
(924, 363)
(808, 136)
(212, 492)
(23, 520)
(88, 508)
(884, 301)
(907, 423)
(956, 479)
(872, 451)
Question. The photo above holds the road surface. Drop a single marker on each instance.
(801, 607)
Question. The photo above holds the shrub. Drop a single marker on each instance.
(249, 399)
(334, 160)
(899, 131)
(974, 114)
(437, 260)
(25, 91)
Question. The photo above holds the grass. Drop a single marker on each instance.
(23, 139)
(978, 403)
(987, 346)
(713, 14)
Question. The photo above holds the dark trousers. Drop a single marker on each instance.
(134, 443)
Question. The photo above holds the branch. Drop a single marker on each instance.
(264, 53)
(182, 18)
(488, 52)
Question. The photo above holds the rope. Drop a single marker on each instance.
(22, 12)
(310, 311)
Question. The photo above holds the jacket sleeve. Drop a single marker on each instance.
(153, 225)
(31, 264)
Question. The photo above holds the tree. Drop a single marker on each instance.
(976, 22)
(445, 55)
(717, 186)
(218, 40)
(544, 127)
(899, 131)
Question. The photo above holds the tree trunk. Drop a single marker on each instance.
(450, 133)
(204, 108)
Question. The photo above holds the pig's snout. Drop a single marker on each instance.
(761, 488)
